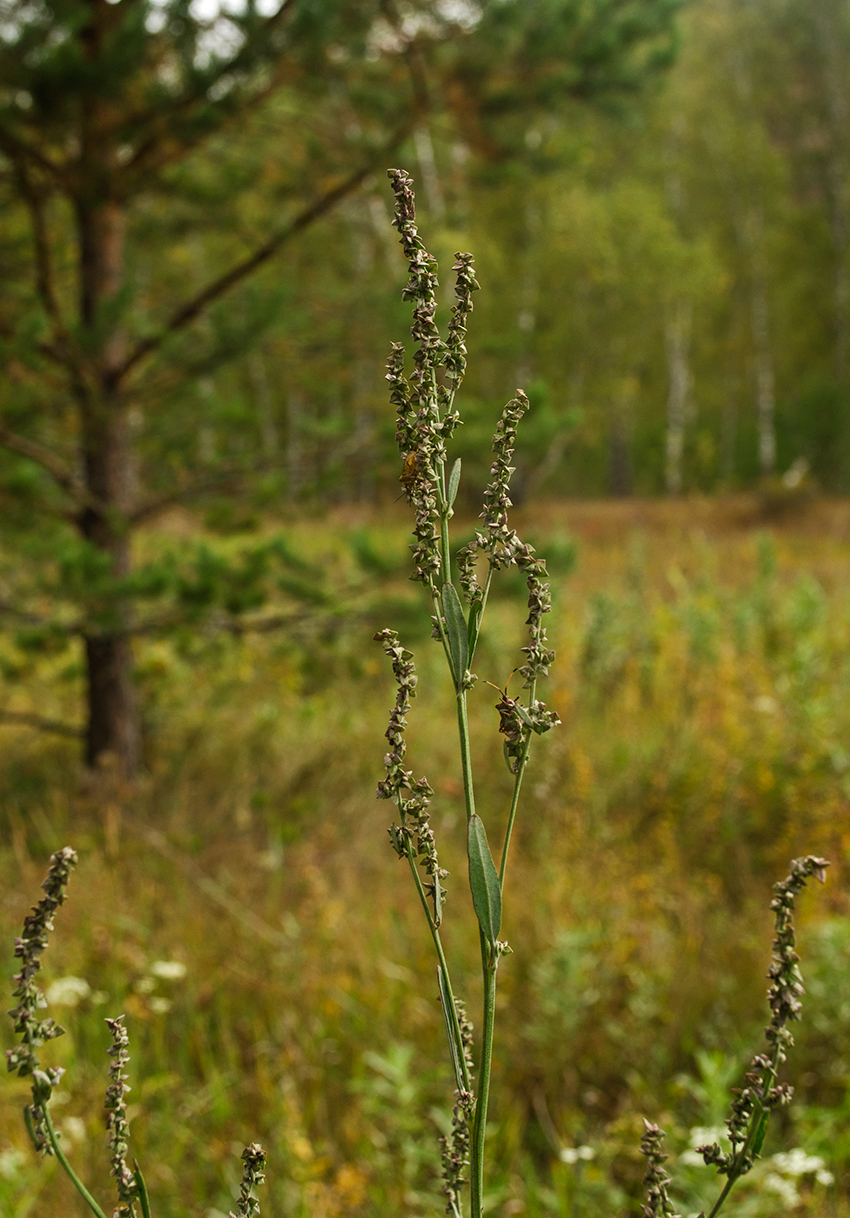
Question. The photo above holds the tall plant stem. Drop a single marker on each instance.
(479, 1126)
(517, 786)
(736, 1172)
(72, 1175)
(441, 957)
(465, 754)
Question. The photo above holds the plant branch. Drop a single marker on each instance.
(44, 276)
(187, 100)
(25, 719)
(61, 473)
(523, 758)
(218, 479)
(193, 308)
(16, 149)
(72, 1175)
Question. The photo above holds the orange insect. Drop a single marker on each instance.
(409, 471)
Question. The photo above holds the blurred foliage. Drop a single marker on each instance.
(703, 681)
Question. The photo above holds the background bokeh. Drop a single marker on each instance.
(664, 266)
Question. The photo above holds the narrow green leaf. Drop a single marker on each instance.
(761, 1133)
(144, 1200)
(456, 632)
(454, 1048)
(523, 714)
(484, 881)
(454, 483)
(472, 632)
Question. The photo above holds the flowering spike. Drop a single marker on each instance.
(34, 1032)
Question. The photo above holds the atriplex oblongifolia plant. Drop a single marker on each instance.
(34, 1032)
(426, 419)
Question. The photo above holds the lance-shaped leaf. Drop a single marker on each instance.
(455, 1050)
(456, 632)
(144, 1202)
(472, 632)
(484, 881)
(454, 483)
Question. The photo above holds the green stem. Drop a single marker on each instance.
(479, 1126)
(438, 613)
(517, 785)
(438, 946)
(736, 1172)
(72, 1175)
(465, 754)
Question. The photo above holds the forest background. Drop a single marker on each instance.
(662, 243)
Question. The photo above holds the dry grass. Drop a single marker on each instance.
(704, 683)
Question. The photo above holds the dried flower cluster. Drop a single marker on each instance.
(658, 1204)
(412, 797)
(116, 1119)
(455, 1152)
(425, 413)
(34, 1032)
(253, 1173)
(761, 1092)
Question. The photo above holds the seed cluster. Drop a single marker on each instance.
(658, 1204)
(455, 1152)
(761, 1091)
(253, 1173)
(116, 1119)
(426, 416)
(34, 1032)
(412, 797)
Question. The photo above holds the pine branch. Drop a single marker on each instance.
(61, 473)
(163, 120)
(44, 276)
(217, 480)
(15, 147)
(24, 719)
(192, 309)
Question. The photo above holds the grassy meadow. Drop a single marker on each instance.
(243, 906)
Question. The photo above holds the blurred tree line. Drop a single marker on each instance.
(200, 279)
(157, 156)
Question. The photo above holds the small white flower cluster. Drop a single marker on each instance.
(577, 1154)
(797, 1163)
(71, 991)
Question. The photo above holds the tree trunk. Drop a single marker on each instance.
(112, 730)
(677, 343)
(620, 474)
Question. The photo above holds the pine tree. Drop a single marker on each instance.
(114, 115)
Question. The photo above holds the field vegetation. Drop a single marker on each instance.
(242, 905)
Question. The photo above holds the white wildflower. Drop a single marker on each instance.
(577, 1154)
(11, 1161)
(74, 1129)
(797, 1163)
(67, 991)
(168, 970)
(783, 1188)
